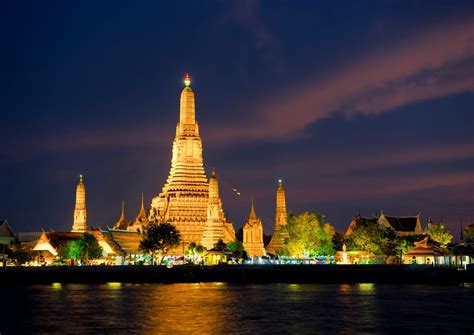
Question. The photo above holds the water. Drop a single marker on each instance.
(217, 308)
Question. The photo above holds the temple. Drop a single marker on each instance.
(402, 225)
(80, 212)
(184, 200)
(277, 242)
(253, 235)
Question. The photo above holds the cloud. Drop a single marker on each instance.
(433, 63)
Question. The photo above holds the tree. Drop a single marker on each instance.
(158, 239)
(469, 233)
(83, 249)
(438, 233)
(237, 248)
(20, 254)
(195, 251)
(405, 243)
(308, 235)
(369, 236)
(90, 248)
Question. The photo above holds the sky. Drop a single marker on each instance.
(358, 106)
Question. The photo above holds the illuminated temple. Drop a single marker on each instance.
(185, 199)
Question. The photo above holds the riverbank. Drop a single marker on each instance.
(390, 274)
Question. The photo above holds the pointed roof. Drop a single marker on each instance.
(252, 215)
(6, 230)
(141, 217)
(122, 222)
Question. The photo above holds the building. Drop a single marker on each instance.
(253, 235)
(427, 251)
(119, 247)
(7, 236)
(184, 200)
(80, 211)
(403, 225)
(277, 243)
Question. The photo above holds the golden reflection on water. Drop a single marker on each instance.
(114, 285)
(366, 287)
(203, 308)
(57, 286)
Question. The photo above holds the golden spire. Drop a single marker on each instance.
(80, 212)
(252, 214)
(213, 185)
(142, 208)
(122, 222)
(187, 106)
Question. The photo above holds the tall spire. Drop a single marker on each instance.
(80, 212)
(461, 235)
(142, 208)
(122, 222)
(277, 242)
(187, 106)
(252, 214)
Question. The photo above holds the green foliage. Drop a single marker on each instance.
(195, 251)
(158, 239)
(308, 235)
(469, 233)
(405, 243)
(369, 236)
(83, 249)
(237, 248)
(438, 233)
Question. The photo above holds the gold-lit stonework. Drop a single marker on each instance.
(80, 212)
(277, 242)
(184, 198)
(253, 235)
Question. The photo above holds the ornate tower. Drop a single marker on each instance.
(183, 200)
(253, 235)
(278, 239)
(214, 228)
(80, 212)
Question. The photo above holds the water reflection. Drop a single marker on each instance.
(216, 308)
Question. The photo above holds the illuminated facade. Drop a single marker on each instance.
(80, 212)
(184, 200)
(253, 235)
(277, 242)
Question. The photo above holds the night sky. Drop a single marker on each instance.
(355, 105)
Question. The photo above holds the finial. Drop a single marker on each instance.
(187, 79)
(123, 208)
(143, 206)
(280, 181)
(252, 215)
(213, 173)
(80, 178)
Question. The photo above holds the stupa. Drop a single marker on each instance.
(184, 198)
(277, 243)
(253, 235)
(80, 212)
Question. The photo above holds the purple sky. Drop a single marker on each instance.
(355, 105)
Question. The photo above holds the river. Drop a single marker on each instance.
(218, 308)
